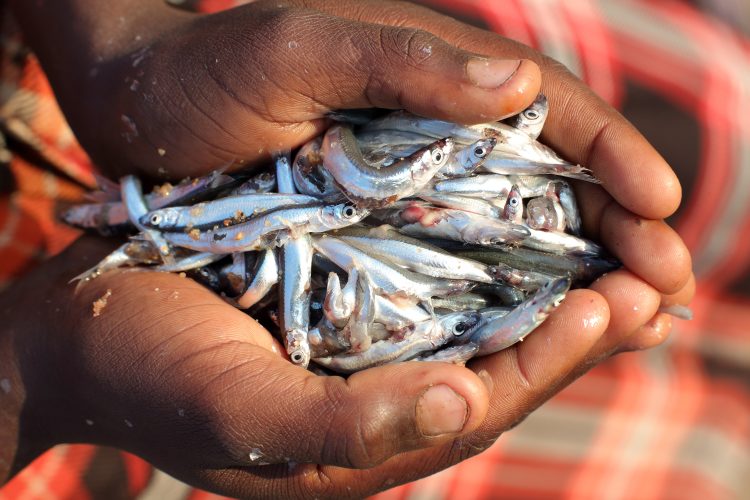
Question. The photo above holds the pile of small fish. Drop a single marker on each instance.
(387, 239)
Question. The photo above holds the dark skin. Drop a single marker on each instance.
(192, 385)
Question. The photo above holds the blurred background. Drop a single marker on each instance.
(673, 422)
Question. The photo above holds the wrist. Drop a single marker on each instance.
(20, 441)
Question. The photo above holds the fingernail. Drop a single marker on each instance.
(441, 411)
(491, 73)
(485, 377)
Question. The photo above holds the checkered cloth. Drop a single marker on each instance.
(673, 422)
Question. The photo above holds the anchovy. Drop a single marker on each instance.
(570, 208)
(131, 253)
(456, 355)
(339, 303)
(581, 269)
(461, 302)
(295, 298)
(387, 279)
(528, 281)
(363, 314)
(397, 313)
(132, 196)
(233, 276)
(427, 336)
(309, 175)
(513, 211)
(561, 243)
(463, 161)
(387, 243)
(498, 332)
(106, 216)
(264, 182)
(512, 144)
(372, 187)
(269, 228)
(474, 205)
(189, 262)
(528, 186)
(224, 211)
(531, 120)
(284, 181)
(427, 222)
(265, 277)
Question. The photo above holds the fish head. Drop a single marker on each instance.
(513, 210)
(161, 219)
(552, 294)
(343, 214)
(434, 157)
(459, 324)
(482, 148)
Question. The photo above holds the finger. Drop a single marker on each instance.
(649, 248)
(580, 126)
(683, 297)
(275, 412)
(632, 303)
(655, 332)
(526, 374)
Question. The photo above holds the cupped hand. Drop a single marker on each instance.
(155, 364)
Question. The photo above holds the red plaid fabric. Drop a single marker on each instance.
(673, 422)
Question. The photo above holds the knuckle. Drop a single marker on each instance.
(354, 437)
(278, 27)
(411, 47)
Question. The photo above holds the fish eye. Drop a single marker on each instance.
(437, 156)
(459, 329)
(531, 114)
(513, 202)
(480, 151)
(155, 219)
(349, 211)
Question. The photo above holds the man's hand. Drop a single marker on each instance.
(155, 364)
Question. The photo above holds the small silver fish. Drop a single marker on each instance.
(372, 187)
(531, 120)
(501, 330)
